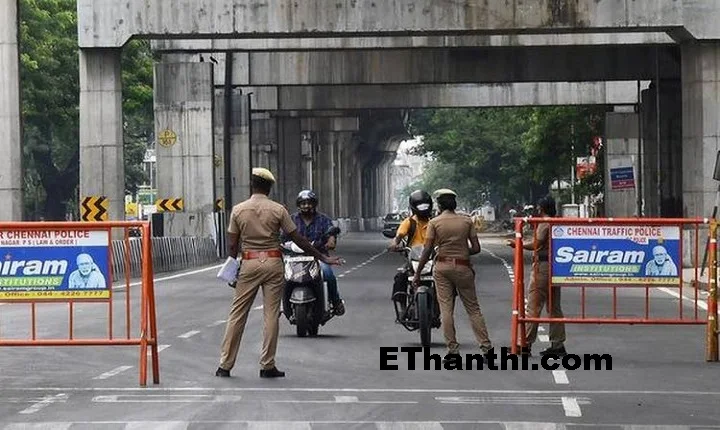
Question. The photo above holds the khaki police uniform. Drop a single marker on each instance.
(538, 291)
(453, 272)
(258, 221)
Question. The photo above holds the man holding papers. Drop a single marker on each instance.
(254, 228)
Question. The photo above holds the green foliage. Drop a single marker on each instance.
(49, 76)
(513, 154)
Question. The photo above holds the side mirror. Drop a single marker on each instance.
(333, 231)
(388, 233)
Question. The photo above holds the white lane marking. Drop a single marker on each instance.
(543, 338)
(361, 265)
(258, 307)
(54, 425)
(560, 377)
(571, 406)
(115, 371)
(160, 349)
(701, 303)
(189, 334)
(533, 426)
(541, 329)
(374, 402)
(217, 323)
(45, 402)
(165, 425)
(367, 390)
(346, 399)
(415, 425)
(167, 278)
(163, 398)
(287, 425)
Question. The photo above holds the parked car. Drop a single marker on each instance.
(392, 221)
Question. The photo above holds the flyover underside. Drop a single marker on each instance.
(399, 42)
(109, 23)
(446, 66)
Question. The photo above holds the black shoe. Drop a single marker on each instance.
(339, 308)
(222, 372)
(271, 373)
(451, 355)
(558, 350)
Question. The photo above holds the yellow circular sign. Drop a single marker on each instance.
(167, 138)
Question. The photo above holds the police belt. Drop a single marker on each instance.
(458, 261)
(252, 255)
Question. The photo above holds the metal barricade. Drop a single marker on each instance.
(36, 269)
(607, 253)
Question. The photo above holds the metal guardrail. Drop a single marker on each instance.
(168, 254)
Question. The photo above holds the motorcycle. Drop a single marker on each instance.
(417, 309)
(307, 290)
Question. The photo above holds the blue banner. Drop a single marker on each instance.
(617, 255)
(54, 265)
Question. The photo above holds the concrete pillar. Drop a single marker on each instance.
(11, 163)
(662, 163)
(102, 171)
(347, 193)
(325, 171)
(291, 172)
(264, 136)
(700, 125)
(621, 154)
(184, 110)
(239, 144)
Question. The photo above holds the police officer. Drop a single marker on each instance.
(254, 226)
(540, 284)
(453, 270)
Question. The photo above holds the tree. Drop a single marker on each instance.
(514, 153)
(50, 99)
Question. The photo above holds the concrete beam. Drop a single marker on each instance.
(111, 23)
(467, 65)
(453, 95)
(330, 124)
(11, 168)
(400, 42)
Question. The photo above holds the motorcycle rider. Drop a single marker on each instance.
(413, 228)
(313, 225)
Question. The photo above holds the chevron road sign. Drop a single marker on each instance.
(94, 208)
(219, 205)
(169, 205)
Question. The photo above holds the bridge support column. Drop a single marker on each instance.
(102, 169)
(324, 171)
(291, 172)
(265, 147)
(621, 151)
(662, 162)
(11, 162)
(700, 126)
(239, 148)
(184, 99)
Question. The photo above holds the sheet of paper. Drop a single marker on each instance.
(228, 271)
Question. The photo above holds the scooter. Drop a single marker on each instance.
(305, 301)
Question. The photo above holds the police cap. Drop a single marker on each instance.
(444, 192)
(263, 173)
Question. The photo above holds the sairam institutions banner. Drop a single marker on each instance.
(54, 264)
(615, 254)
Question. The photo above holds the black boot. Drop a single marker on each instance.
(271, 373)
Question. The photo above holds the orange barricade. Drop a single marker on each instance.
(47, 263)
(621, 254)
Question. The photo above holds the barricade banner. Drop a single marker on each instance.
(615, 254)
(54, 264)
(657, 255)
(68, 263)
